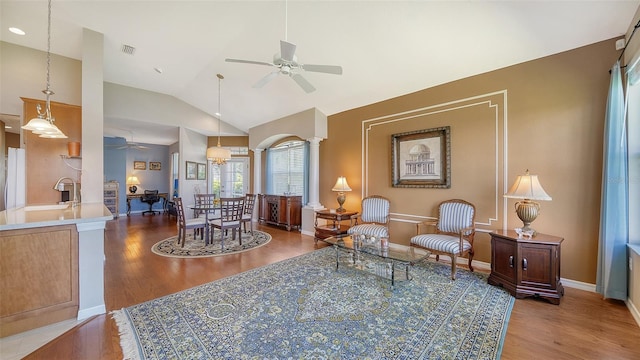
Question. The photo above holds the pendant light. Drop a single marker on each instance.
(43, 124)
(217, 154)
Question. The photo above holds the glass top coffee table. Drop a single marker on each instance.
(384, 261)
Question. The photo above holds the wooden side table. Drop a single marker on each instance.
(336, 223)
(527, 267)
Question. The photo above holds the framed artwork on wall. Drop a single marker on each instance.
(153, 165)
(191, 170)
(202, 171)
(140, 165)
(421, 159)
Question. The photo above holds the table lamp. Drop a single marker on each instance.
(527, 187)
(341, 186)
(133, 181)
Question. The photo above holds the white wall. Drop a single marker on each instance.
(193, 147)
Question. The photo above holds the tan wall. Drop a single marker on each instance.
(545, 115)
(43, 156)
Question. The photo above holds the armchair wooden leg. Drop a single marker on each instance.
(454, 258)
(470, 260)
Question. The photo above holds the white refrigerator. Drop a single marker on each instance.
(14, 189)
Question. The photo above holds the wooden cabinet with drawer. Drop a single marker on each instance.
(280, 210)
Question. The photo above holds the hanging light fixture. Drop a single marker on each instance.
(43, 124)
(218, 154)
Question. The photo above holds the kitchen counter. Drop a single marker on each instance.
(53, 265)
(19, 218)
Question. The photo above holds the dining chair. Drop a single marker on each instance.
(204, 199)
(247, 212)
(230, 216)
(198, 225)
(454, 232)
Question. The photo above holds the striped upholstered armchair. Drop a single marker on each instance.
(454, 232)
(374, 219)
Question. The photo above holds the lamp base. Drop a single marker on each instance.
(527, 211)
(341, 199)
(133, 189)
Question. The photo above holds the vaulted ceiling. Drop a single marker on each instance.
(386, 48)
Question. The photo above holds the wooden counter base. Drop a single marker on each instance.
(38, 277)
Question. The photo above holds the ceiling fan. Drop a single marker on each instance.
(130, 145)
(287, 64)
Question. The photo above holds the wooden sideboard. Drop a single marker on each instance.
(280, 210)
(527, 267)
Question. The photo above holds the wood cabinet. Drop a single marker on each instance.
(527, 267)
(280, 210)
(333, 223)
(38, 277)
(111, 197)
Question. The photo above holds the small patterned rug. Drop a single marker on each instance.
(302, 308)
(194, 248)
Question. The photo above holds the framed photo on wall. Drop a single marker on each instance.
(191, 170)
(140, 165)
(153, 165)
(202, 171)
(421, 159)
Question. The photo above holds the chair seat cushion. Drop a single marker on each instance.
(443, 243)
(195, 222)
(370, 230)
(218, 222)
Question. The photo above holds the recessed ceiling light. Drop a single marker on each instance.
(8, 127)
(17, 31)
(158, 70)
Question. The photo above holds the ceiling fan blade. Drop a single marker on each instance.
(262, 82)
(304, 84)
(328, 69)
(287, 50)
(249, 62)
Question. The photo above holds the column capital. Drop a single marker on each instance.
(315, 140)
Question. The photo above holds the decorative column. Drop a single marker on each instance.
(314, 173)
(257, 171)
(309, 210)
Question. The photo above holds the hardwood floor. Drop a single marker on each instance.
(582, 327)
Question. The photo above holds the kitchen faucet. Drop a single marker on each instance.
(57, 187)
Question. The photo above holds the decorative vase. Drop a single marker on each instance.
(74, 149)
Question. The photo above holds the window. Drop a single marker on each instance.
(231, 179)
(287, 168)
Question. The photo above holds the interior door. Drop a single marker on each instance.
(230, 179)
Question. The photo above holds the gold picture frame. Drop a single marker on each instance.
(191, 170)
(140, 165)
(421, 159)
(155, 165)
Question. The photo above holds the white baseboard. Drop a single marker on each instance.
(87, 313)
(578, 285)
(634, 311)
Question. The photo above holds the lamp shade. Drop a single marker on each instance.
(133, 180)
(38, 124)
(527, 187)
(218, 152)
(341, 185)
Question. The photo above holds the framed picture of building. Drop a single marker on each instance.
(421, 159)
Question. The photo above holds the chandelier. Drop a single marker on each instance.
(43, 125)
(217, 154)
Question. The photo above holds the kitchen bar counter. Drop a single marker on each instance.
(52, 265)
(23, 218)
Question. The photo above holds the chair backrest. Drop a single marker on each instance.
(150, 195)
(204, 199)
(375, 209)
(454, 215)
(231, 209)
(180, 209)
(249, 203)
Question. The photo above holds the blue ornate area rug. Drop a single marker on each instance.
(302, 308)
(195, 247)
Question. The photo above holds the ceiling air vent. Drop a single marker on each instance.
(128, 49)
